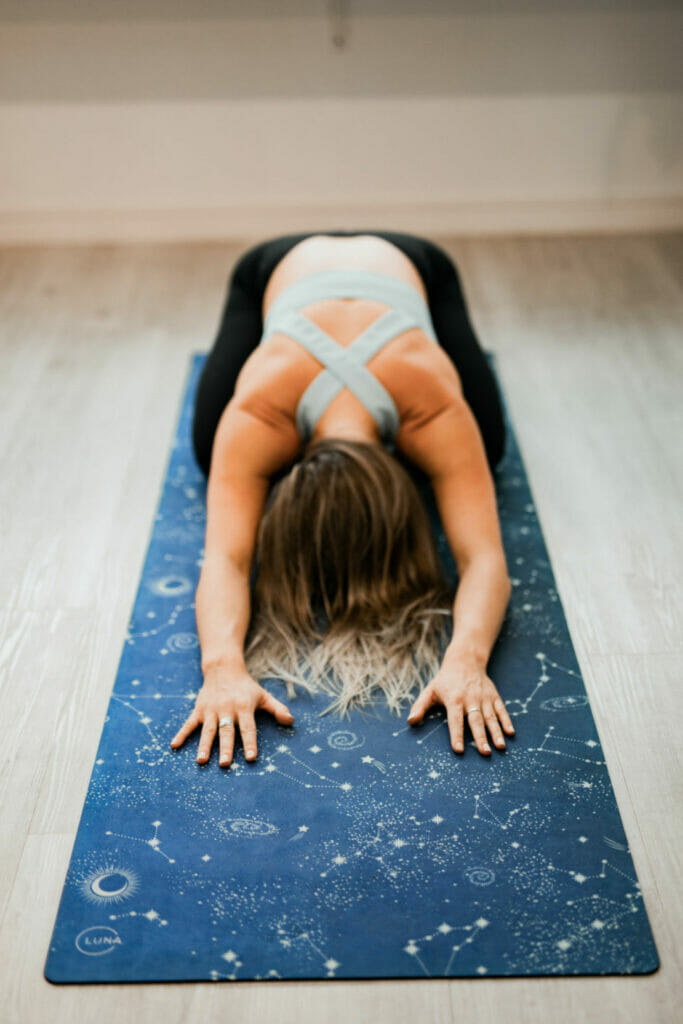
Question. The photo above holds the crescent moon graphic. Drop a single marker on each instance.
(109, 884)
(109, 894)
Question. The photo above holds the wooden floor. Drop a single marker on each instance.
(94, 347)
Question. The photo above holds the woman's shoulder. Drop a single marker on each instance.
(421, 379)
(256, 430)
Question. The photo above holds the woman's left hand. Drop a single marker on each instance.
(466, 690)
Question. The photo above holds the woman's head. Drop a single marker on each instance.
(345, 535)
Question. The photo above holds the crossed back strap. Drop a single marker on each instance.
(345, 367)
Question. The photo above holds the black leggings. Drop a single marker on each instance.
(241, 328)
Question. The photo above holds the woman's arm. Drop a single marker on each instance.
(246, 451)
(449, 448)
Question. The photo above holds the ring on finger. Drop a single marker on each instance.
(225, 720)
(468, 710)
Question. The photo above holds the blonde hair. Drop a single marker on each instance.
(346, 535)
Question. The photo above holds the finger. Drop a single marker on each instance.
(476, 722)
(456, 716)
(189, 727)
(423, 702)
(206, 738)
(226, 740)
(248, 733)
(492, 723)
(282, 713)
(503, 715)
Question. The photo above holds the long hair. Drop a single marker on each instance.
(349, 596)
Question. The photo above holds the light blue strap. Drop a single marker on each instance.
(343, 366)
(325, 386)
(359, 284)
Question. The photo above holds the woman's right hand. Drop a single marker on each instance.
(237, 696)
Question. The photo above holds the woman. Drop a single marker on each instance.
(346, 351)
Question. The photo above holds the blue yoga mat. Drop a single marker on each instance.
(351, 848)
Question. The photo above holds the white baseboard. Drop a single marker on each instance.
(42, 227)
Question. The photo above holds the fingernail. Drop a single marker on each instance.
(487, 749)
(250, 752)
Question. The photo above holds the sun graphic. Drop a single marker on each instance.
(109, 884)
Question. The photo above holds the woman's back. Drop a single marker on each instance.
(414, 371)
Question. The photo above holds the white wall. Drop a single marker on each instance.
(443, 117)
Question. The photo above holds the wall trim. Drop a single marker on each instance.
(42, 227)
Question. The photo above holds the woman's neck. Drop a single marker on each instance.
(346, 431)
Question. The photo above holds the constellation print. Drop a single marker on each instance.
(413, 949)
(563, 753)
(289, 936)
(154, 842)
(604, 922)
(501, 824)
(154, 746)
(143, 634)
(230, 957)
(422, 737)
(543, 678)
(323, 781)
(148, 915)
(190, 695)
(580, 878)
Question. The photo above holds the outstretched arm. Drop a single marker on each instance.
(247, 451)
(450, 449)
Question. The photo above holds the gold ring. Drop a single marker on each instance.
(472, 709)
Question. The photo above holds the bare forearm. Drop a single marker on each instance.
(222, 608)
(480, 602)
